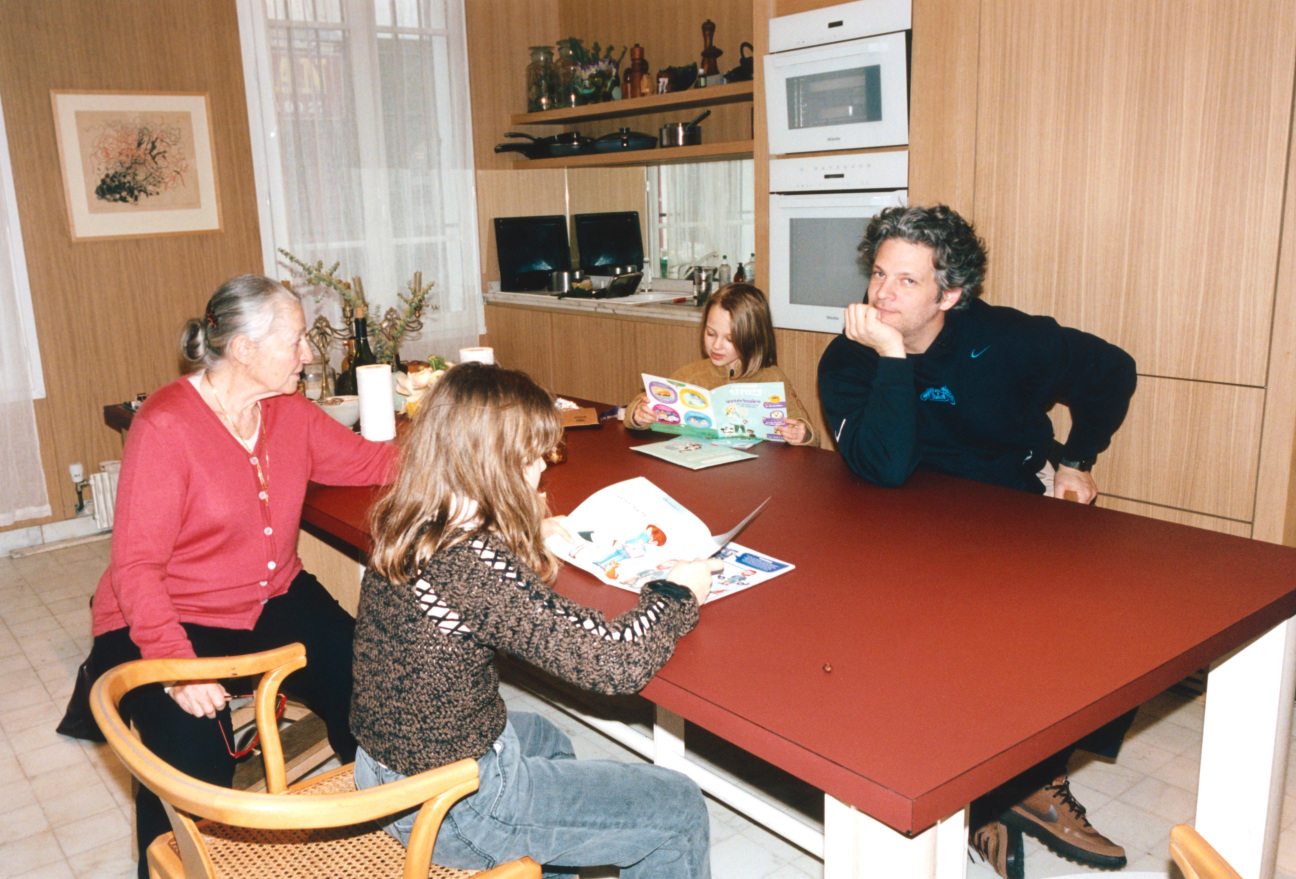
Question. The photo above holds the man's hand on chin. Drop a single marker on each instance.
(863, 324)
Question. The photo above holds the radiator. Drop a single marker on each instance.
(104, 486)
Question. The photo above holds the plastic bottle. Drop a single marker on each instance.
(726, 270)
(749, 269)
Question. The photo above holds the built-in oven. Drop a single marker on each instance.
(819, 207)
(838, 78)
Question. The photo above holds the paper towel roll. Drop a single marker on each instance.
(477, 355)
(377, 417)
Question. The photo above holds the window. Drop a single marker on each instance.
(704, 212)
(361, 113)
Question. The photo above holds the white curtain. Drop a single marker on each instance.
(362, 142)
(22, 479)
(705, 213)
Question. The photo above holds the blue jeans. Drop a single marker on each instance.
(536, 799)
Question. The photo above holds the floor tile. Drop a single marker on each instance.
(112, 860)
(92, 832)
(31, 853)
(1167, 801)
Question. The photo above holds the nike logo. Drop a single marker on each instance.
(976, 354)
(1050, 817)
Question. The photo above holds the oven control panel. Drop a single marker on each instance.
(859, 171)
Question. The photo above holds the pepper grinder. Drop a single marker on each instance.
(709, 55)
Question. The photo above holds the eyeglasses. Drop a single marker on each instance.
(281, 701)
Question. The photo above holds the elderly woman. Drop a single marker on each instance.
(204, 559)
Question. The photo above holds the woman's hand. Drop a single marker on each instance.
(201, 699)
(794, 431)
(643, 415)
(695, 576)
(556, 525)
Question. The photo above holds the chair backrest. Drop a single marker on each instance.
(1195, 856)
(435, 791)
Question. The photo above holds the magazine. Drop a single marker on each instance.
(632, 533)
(751, 410)
(693, 453)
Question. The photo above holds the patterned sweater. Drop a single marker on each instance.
(426, 687)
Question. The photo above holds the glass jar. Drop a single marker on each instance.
(565, 75)
(541, 82)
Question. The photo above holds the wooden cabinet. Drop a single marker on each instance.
(1126, 163)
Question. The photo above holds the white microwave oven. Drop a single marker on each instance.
(818, 211)
(843, 96)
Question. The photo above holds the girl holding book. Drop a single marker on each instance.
(738, 345)
(459, 571)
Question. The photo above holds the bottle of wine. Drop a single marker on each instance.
(359, 354)
(345, 384)
(364, 355)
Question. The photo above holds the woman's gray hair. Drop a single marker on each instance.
(959, 255)
(243, 306)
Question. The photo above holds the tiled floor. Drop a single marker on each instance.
(65, 805)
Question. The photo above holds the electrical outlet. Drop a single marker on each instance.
(77, 472)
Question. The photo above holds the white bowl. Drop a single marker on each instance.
(344, 410)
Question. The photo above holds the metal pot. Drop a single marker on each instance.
(623, 140)
(678, 134)
(569, 143)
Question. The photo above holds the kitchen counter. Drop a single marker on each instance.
(630, 306)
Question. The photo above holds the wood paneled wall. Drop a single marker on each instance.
(109, 312)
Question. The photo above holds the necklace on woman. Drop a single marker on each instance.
(229, 420)
(250, 442)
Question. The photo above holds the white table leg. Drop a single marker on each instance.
(1244, 750)
(859, 847)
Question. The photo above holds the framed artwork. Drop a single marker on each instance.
(136, 163)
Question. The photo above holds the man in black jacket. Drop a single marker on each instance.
(927, 375)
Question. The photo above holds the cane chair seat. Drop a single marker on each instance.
(319, 827)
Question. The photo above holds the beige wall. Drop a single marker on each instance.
(108, 313)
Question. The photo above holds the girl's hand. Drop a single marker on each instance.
(643, 415)
(202, 699)
(695, 576)
(556, 525)
(793, 430)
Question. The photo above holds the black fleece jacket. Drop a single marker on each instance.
(975, 403)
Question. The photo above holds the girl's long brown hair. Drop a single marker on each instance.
(750, 326)
(474, 434)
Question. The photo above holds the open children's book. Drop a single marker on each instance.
(632, 533)
(751, 410)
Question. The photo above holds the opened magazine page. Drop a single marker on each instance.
(632, 533)
(740, 410)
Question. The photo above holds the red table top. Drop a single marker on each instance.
(934, 640)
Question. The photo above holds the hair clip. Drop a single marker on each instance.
(210, 318)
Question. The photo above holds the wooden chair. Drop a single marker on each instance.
(320, 826)
(1196, 858)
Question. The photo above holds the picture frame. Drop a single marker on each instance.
(136, 164)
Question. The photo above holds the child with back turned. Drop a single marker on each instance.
(459, 571)
(738, 345)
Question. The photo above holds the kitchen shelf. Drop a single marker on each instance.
(707, 152)
(730, 93)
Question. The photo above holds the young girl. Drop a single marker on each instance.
(459, 571)
(737, 346)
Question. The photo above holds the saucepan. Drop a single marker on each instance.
(677, 134)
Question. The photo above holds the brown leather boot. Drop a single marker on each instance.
(1000, 846)
(1052, 815)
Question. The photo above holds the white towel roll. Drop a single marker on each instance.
(377, 417)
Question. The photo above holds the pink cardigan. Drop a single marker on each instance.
(195, 539)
